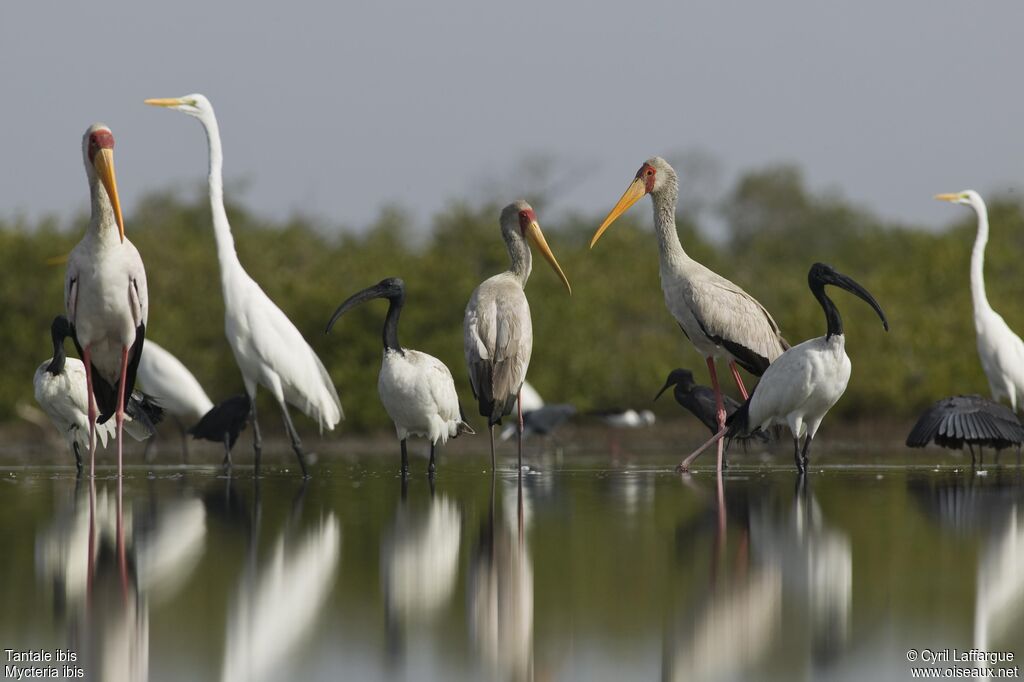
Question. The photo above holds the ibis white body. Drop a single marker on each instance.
(418, 393)
(169, 382)
(65, 401)
(802, 385)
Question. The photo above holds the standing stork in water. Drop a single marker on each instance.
(268, 348)
(497, 329)
(1001, 351)
(417, 390)
(803, 384)
(719, 318)
(105, 295)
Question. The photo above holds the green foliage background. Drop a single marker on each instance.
(611, 343)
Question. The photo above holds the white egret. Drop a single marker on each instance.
(269, 350)
(497, 328)
(60, 389)
(105, 294)
(417, 390)
(720, 319)
(1001, 351)
(803, 384)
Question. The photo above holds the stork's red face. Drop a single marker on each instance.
(100, 139)
(101, 156)
(647, 174)
(526, 218)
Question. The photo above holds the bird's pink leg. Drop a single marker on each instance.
(120, 405)
(86, 355)
(719, 411)
(739, 380)
(720, 418)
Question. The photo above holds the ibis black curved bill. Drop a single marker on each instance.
(822, 274)
(389, 288)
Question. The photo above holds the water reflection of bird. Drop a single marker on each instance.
(500, 595)
(802, 384)
(967, 420)
(990, 508)
(278, 603)
(419, 563)
(60, 389)
(816, 564)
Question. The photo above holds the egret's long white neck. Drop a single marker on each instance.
(226, 254)
(978, 259)
(669, 247)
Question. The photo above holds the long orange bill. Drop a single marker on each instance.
(163, 102)
(634, 193)
(103, 162)
(947, 197)
(536, 237)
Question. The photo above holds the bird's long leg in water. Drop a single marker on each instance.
(974, 461)
(519, 406)
(78, 458)
(431, 468)
(796, 454)
(119, 415)
(807, 449)
(227, 453)
(405, 458)
(296, 443)
(490, 431)
(86, 360)
(685, 464)
(719, 410)
(257, 439)
(739, 380)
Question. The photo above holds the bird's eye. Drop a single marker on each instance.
(650, 172)
(523, 216)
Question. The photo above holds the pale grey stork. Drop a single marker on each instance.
(803, 383)
(105, 294)
(1000, 349)
(269, 350)
(417, 390)
(60, 389)
(718, 317)
(497, 329)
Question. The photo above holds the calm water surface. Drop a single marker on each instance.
(587, 570)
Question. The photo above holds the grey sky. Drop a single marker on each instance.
(333, 109)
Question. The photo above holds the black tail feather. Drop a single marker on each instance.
(144, 410)
(229, 417)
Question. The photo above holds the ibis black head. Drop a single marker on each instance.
(60, 329)
(820, 275)
(392, 288)
(683, 378)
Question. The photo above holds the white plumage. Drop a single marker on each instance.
(60, 390)
(719, 318)
(105, 291)
(803, 383)
(268, 348)
(1000, 349)
(497, 328)
(416, 389)
(168, 381)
